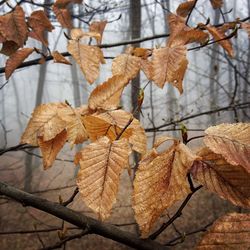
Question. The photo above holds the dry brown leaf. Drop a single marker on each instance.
(9, 48)
(232, 231)
(160, 181)
(15, 60)
(232, 141)
(51, 148)
(63, 16)
(228, 181)
(88, 57)
(98, 27)
(112, 123)
(77, 34)
(59, 58)
(39, 23)
(218, 35)
(76, 132)
(246, 27)
(147, 68)
(13, 26)
(126, 65)
(181, 34)
(169, 65)
(184, 8)
(101, 164)
(216, 3)
(45, 122)
(141, 52)
(64, 3)
(107, 95)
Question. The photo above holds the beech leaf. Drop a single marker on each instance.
(218, 35)
(45, 122)
(39, 23)
(98, 27)
(232, 141)
(228, 181)
(59, 58)
(112, 123)
(169, 65)
(101, 164)
(126, 65)
(107, 95)
(88, 57)
(184, 8)
(13, 26)
(76, 131)
(63, 16)
(9, 47)
(232, 231)
(15, 60)
(51, 148)
(160, 181)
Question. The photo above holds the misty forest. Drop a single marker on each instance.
(125, 124)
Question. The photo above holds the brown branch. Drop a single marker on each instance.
(71, 198)
(78, 219)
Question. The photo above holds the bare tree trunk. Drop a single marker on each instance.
(214, 68)
(135, 26)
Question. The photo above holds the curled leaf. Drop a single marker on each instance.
(184, 8)
(232, 141)
(59, 58)
(228, 181)
(51, 148)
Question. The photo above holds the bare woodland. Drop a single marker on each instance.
(125, 124)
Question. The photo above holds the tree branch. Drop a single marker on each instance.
(78, 219)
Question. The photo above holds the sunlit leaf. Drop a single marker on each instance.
(228, 181)
(51, 148)
(169, 66)
(101, 164)
(160, 181)
(232, 231)
(88, 57)
(15, 60)
(107, 95)
(45, 122)
(98, 27)
(232, 141)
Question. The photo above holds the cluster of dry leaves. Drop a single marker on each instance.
(222, 165)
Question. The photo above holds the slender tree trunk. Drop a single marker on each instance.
(214, 69)
(135, 27)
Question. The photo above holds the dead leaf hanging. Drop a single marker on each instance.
(107, 95)
(184, 8)
(228, 181)
(88, 57)
(15, 60)
(231, 231)
(160, 181)
(101, 164)
(59, 58)
(169, 66)
(63, 16)
(13, 26)
(232, 141)
(126, 65)
(51, 148)
(45, 122)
